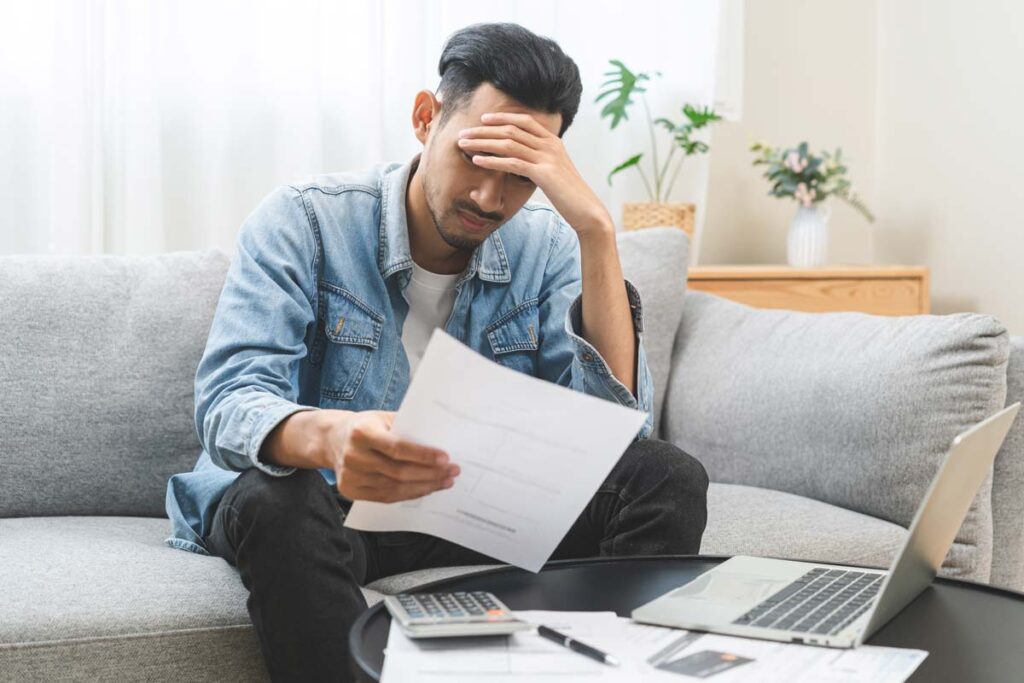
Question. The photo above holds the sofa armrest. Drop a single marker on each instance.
(1008, 486)
(850, 409)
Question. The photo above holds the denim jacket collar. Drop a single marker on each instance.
(393, 255)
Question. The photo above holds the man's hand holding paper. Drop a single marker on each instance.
(531, 455)
(372, 463)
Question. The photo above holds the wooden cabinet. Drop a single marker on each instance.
(882, 290)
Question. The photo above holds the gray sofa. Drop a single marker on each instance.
(820, 433)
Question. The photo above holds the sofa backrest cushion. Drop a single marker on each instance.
(654, 260)
(846, 408)
(97, 360)
(98, 357)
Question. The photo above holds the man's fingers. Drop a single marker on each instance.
(506, 132)
(507, 164)
(524, 121)
(392, 446)
(411, 491)
(385, 491)
(380, 466)
(505, 147)
(371, 463)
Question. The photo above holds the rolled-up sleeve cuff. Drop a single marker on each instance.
(263, 424)
(597, 377)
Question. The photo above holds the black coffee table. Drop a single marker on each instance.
(971, 632)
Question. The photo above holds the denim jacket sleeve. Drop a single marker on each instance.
(569, 359)
(247, 380)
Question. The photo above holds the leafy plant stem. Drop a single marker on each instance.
(664, 168)
(675, 174)
(643, 176)
(654, 151)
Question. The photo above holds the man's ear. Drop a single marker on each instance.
(426, 111)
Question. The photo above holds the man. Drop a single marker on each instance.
(326, 312)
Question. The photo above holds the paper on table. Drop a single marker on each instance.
(676, 655)
(532, 453)
(523, 656)
(648, 653)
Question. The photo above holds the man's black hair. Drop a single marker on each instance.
(529, 68)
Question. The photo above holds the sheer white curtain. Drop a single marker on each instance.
(131, 126)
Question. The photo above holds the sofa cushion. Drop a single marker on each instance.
(107, 595)
(97, 360)
(850, 409)
(118, 339)
(654, 260)
(398, 583)
(1008, 486)
(746, 520)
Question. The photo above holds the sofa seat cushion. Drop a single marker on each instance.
(746, 520)
(104, 596)
(405, 582)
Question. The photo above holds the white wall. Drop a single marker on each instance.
(925, 97)
(808, 75)
(951, 150)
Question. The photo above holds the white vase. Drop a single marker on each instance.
(807, 243)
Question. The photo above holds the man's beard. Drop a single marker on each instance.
(455, 241)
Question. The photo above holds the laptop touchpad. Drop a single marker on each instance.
(726, 587)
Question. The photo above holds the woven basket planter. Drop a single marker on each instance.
(637, 215)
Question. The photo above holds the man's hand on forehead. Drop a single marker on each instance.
(507, 136)
(520, 145)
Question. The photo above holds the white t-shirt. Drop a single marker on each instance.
(431, 297)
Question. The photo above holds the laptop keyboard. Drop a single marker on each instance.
(823, 601)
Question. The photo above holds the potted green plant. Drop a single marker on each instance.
(810, 179)
(619, 90)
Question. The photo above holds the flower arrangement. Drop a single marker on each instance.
(621, 85)
(807, 178)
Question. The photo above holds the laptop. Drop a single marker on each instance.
(831, 605)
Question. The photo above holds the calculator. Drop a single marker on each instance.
(440, 615)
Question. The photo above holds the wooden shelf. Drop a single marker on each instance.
(881, 290)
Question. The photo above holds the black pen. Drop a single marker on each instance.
(576, 646)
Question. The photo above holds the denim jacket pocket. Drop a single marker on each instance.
(513, 337)
(353, 332)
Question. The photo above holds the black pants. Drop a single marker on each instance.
(303, 569)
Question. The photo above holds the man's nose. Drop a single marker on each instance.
(488, 193)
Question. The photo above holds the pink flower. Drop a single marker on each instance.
(794, 162)
(804, 195)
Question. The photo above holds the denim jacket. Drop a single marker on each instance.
(311, 316)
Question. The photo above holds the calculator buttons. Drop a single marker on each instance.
(428, 615)
(461, 606)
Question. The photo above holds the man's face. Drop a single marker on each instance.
(467, 202)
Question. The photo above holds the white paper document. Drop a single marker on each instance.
(676, 655)
(648, 654)
(531, 453)
(522, 657)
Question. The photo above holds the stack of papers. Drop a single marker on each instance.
(647, 653)
(532, 454)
